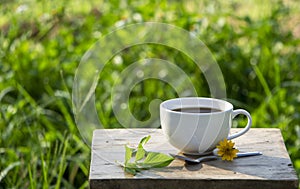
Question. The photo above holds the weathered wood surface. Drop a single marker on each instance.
(273, 169)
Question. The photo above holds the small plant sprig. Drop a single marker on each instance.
(143, 159)
(226, 150)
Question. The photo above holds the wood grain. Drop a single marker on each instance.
(273, 169)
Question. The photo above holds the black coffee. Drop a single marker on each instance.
(197, 110)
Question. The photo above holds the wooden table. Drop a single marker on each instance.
(273, 169)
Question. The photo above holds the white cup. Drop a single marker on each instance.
(197, 133)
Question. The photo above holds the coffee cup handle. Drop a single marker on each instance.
(234, 114)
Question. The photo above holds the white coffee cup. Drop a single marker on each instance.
(197, 132)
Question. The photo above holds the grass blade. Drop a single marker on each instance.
(7, 169)
(62, 165)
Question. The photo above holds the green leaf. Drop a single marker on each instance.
(128, 154)
(156, 159)
(130, 170)
(145, 140)
(133, 166)
(140, 154)
(152, 160)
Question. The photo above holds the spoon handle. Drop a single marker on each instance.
(246, 154)
(179, 157)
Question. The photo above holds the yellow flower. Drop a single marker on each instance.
(226, 150)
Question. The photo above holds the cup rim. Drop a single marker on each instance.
(228, 105)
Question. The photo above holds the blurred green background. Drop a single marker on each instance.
(256, 44)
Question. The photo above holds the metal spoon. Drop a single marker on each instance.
(191, 160)
(206, 158)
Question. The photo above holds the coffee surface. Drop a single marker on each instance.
(197, 110)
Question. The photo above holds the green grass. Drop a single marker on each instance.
(42, 42)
